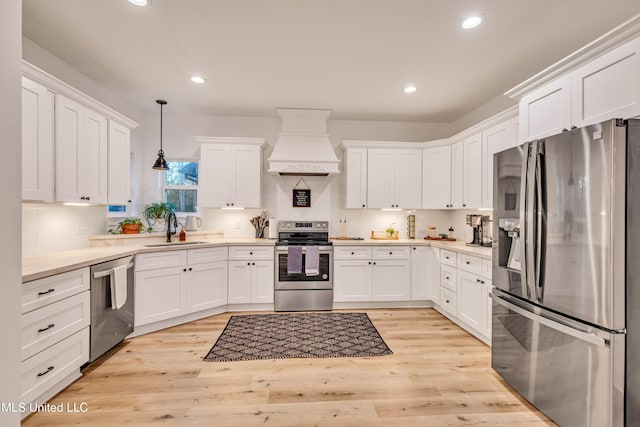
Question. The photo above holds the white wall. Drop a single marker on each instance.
(10, 176)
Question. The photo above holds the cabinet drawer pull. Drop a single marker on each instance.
(46, 292)
(51, 325)
(49, 369)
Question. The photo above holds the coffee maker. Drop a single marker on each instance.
(477, 222)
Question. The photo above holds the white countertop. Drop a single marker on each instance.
(46, 265)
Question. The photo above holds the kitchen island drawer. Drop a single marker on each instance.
(163, 259)
(42, 371)
(448, 278)
(46, 326)
(240, 253)
(352, 252)
(41, 292)
(469, 263)
(390, 252)
(449, 302)
(448, 257)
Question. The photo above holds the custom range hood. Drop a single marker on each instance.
(303, 146)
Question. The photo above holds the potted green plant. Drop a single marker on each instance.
(156, 213)
(129, 226)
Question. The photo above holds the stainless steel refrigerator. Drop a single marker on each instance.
(566, 271)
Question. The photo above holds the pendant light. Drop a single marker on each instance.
(161, 163)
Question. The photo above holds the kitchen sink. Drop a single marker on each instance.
(155, 245)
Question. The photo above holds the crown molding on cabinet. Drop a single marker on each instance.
(59, 87)
(621, 34)
(229, 140)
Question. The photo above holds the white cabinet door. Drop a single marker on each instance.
(207, 286)
(356, 178)
(159, 294)
(457, 175)
(472, 172)
(486, 298)
(607, 87)
(37, 142)
(246, 170)
(391, 280)
(81, 153)
(240, 282)
(420, 272)
(93, 161)
(407, 178)
(263, 281)
(215, 181)
(494, 140)
(470, 300)
(380, 178)
(352, 280)
(546, 111)
(433, 275)
(436, 177)
(119, 186)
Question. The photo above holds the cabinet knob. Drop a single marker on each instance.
(464, 206)
(88, 198)
(184, 269)
(231, 204)
(190, 269)
(447, 301)
(446, 257)
(253, 263)
(250, 253)
(477, 280)
(128, 201)
(227, 204)
(81, 197)
(374, 263)
(248, 263)
(390, 253)
(414, 248)
(353, 253)
(468, 262)
(574, 127)
(565, 130)
(363, 205)
(448, 278)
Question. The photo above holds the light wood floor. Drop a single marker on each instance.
(438, 376)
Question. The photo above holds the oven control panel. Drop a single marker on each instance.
(303, 226)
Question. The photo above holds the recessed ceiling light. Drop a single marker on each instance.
(139, 2)
(471, 22)
(198, 79)
(410, 89)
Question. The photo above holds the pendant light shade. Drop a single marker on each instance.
(161, 163)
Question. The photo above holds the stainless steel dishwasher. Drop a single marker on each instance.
(109, 326)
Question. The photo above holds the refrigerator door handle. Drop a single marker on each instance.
(540, 218)
(523, 220)
(584, 336)
(530, 225)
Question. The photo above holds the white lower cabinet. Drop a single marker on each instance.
(55, 334)
(378, 273)
(192, 280)
(251, 275)
(465, 291)
(425, 274)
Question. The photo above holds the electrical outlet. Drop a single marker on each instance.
(238, 225)
(82, 228)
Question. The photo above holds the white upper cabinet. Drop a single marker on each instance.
(394, 178)
(472, 172)
(546, 111)
(37, 142)
(436, 177)
(356, 178)
(81, 153)
(608, 87)
(495, 139)
(119, 173)
(457, 174)
(604, 88)
(230, 170)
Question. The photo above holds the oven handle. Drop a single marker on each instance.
(321, 249)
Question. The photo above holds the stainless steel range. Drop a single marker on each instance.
(304, 266)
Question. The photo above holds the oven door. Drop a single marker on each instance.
(324, 280)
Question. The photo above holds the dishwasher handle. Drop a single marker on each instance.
(107, 272)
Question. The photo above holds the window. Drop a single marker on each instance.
(181, 185)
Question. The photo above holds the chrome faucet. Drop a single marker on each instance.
(175, 226)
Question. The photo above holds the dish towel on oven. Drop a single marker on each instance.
(119, 286)
(294, 260)
(312, 261)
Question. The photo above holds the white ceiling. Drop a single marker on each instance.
(351, 56)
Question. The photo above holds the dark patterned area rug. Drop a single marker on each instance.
(283, 336)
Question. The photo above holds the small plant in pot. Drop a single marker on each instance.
(129, 226)
(157, 213)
